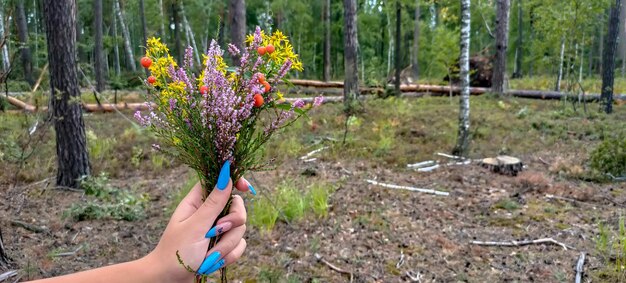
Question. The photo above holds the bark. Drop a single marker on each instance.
(6, 63)
(237, 22)
(162, 21)
(520, 39)
(502, 39)
(116, 48)
(351, 83)
(130, 58)
(179, 43)
(73, 159)
(191, 35)
(608, 57)
(398, 46)
(601, 51)
(559, 76)
(98, 46)
(144, 28)
(22, 31)
(327, 63)
(416, 44)
(462, 145)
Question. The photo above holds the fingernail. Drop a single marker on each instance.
(251, 188)
(218, 229)
(222, 180)
(215, 267)
(209, 262)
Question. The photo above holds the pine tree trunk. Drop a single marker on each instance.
(162, 21)
(398, 50)
(144, 28)
(6, 64)
(608, 57)
(130, 58)
(520, 39)
(73, 160)
(116, 48)
(559, 76)
(462, 145)
(237, 22)
(502, 39)
(327, 63)
(416, 43)
(22, 32)
(177, 36)
(351, 83)
(98, 46)
(601, 52)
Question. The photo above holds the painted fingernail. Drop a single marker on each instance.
(251, 188)
(215, 267)
(222, 180)
(209, 262)
(218, 229)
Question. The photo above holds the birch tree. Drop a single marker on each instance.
(462, 145)
(130, 58)
(6, 64)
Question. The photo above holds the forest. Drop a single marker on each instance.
(380, 140)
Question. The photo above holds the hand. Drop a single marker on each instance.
(188, 232)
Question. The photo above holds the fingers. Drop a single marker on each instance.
(189, 204)
(236, 217)
(217, 199)
(244, 186)
(224, 246)
(235, 254)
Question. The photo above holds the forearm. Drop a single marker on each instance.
(134, 271)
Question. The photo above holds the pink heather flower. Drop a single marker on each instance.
(172, 104)
(284, 69)
(258, 39)
(318, 101)
(188, 60)
(233, 50)
(143, 121)
(298, 103)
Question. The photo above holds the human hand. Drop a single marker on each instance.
(187, 233)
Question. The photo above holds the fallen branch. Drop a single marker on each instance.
(29, 227)
(68, 253)
(523, 243)
(308, 155)
(428, 169)
(579, 267)
(412, 189)
(8, 274)
(401, 260)
(331, 266)
(422, 164)
(415, 277)
(450, 156)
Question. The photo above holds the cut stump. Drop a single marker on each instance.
(505, 165)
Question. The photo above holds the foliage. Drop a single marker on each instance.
(610, 156)
(611, 248)
(99, 148)
(107, 202)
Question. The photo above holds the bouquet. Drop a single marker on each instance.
(223, 113)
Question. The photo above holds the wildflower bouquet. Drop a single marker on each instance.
(221, 114)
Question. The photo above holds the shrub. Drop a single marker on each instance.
(610, 156)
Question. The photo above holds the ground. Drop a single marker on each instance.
(365, 229)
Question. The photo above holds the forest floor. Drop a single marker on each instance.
(374, 233)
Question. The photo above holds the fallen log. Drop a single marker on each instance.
(19, 104)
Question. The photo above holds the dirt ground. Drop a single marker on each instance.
(372, 233)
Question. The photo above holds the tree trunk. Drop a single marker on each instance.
(130, 58)
(502, 39)
(73, 159)
(116, 48)
(179, 43)
(351, 84)
(99, 46)
(601, 52)
(520, 39)
(559, 76)
(398, 46)
(4, 257)
(608, 57)
(22, 31)
(531, 39)
(389, 31)
(327, 63)
(162, 21)
(416, 43)
(462, 145)
(144, 29)
(191, 35)
(237, 22)
(6, 64)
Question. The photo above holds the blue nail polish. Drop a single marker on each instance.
(222, 180)
(218, 229)
(252, 190)
(209, 262)
(215, 267)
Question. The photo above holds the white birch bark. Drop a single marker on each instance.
(559, 77)
(462, 145)
(127, 45)
(6, 64)
(190, 33)
(116, 49)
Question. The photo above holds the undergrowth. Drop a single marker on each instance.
(611, 249)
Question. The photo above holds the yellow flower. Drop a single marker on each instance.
(279, 95)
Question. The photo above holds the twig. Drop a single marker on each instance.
(450, 156)
(8, 274)
(422, 164)
(401, 260)
(69, 253)
(544, 162)
(579, 267)
(428, 169)
(331, 266)
(391, 186)
(523, 243)
(29, 227)
(308, 155)
(617, 179)
(415, 277)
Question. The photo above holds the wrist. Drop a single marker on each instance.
(150, 270)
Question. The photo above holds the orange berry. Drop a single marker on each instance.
(258, 100)
(267, 86)
(146, 62)
(270, 49)
(151, 80)
(261, 50)
(204, 89)
(261, 78)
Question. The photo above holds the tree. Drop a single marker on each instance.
(98, 46)
(116, 49)
(416, 42)
(351, 81)
(22, 32)
(237, 22)
(608, 57)
(327, 63)
(6, 63)
(130, 58)
(520, 39)
(177, 38)
(398, 47)
(462, 145)
(144, 28)
(71, 145)
(502, 41)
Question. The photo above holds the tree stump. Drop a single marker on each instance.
(505, 165)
